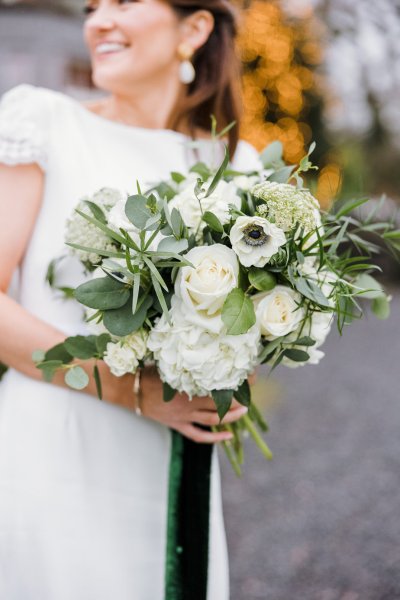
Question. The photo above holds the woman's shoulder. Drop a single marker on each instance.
(25, 118)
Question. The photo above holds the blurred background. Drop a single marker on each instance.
(322, 521)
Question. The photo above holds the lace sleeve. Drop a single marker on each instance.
(22, 127)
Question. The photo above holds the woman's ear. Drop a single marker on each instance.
(197, 28)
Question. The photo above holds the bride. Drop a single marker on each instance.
(84, 483)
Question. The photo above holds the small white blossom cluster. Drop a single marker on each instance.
(123, 356)
(287, 206)
(81, 232)
(193, 351)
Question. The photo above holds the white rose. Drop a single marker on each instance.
(123, 356)
(278, 312)
(255, 240)
(204, 287)
(191, 209)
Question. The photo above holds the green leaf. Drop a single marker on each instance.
(38, 356)
(171, 244)
(110, 232)
(311, 291)
(370, 288)
(80, 346)
(96, 211)
(49, 367)
(122, 322)
(103, 293)
(76, 378)
(168, 392)
(349, 206)
(101, 343)
(59, 352)
(223, 400)
(238, 312)
(201, 169)
(381, 307)
(177, 177)
(242, 394)
(218, 175)
(282, 175)
(177, 223)
(213, 222)
(262, 280)
(296, 355)
(305, 341)
(137, 211)
(272, 155)
(96, 376)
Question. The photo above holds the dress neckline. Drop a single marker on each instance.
(135, 128)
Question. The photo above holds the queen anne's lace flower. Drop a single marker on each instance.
(83, 233)
(196, 361)
(287, 206)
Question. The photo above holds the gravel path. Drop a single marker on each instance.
(322, 520)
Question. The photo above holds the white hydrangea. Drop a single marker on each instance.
(123, 356)
(196, 361)
(79, 231)
(218, 203)
(286, 206)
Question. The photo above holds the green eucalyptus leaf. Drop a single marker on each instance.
(97, 379)
(59, 352)
(305, 341)
(76, 378)
(223, 400)
(102, 293)
(261, 280)
(80, 346)
(282, 175)
(370, 287)
(122, 322)
(49, 367)
(101, 343)
(171, 244)
(137, 211)
(381, 307)
(238, 312)
(272, 155)
(38, 356)
(177, 177)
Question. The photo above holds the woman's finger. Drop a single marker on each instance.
(211, 417)
(203, 437)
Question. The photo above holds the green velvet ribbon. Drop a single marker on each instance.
(188, 520)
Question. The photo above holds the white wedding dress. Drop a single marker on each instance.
(83, 483)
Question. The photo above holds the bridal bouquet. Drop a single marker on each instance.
(210, 274)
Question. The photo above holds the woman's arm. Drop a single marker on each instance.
(21, 191)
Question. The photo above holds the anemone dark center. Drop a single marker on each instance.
(254, 235)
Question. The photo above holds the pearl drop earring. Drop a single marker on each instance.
(187, 72)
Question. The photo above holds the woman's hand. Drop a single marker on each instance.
(181, 414)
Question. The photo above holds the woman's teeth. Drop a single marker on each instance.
(108, 47)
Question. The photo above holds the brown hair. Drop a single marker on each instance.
(216, 88)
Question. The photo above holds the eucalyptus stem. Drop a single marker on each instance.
(257, 437)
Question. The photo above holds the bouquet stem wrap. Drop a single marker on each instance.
(188, 520)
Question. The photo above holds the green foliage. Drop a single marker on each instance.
(103, 293)
(238, 312)
(223, 400)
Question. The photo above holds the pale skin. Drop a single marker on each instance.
(135, 79)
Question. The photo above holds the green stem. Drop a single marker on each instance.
(257, 437)
(229, 453)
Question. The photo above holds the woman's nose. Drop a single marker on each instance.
(101, 19)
